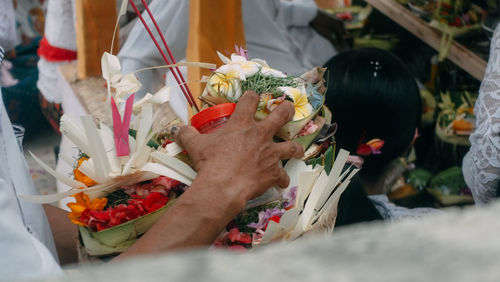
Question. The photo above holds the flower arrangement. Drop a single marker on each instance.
(456, 122)
(123, 179)
(124, 204)
(308, 205)
(239, 74)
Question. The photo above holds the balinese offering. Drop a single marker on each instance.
(308, 205)
(455, 124)
(123, 179)
(239, 74)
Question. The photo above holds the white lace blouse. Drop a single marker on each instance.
(481, 165)
(7, 25)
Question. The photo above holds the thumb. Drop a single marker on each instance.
(185, 136)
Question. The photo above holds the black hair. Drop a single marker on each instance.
(372, 95)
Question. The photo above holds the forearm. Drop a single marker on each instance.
(195, 219)
(65, 234)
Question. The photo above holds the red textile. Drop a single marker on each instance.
(54, 54)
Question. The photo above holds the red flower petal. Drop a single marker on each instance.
(233, 234)
(275, 218)
(364, 150)
(155, 201)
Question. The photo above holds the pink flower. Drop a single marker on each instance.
(310, 128)
(289, 198)
(265, 216)
(241, 51)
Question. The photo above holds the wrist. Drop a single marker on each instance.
(221, 189)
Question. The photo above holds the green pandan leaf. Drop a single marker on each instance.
(151, 143)
(329, 159)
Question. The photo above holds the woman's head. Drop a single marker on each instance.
(372, 95)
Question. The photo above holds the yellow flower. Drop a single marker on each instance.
(299, 97)
(80, 176)
(82, 203)
(226, 85)
(268, 103)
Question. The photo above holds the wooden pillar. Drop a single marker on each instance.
(327, 4)
(211, 31)
(95, 22)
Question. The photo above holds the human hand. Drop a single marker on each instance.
(241, 155)
(332, 29)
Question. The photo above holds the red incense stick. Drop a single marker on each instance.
(172, 59)
(182, 84)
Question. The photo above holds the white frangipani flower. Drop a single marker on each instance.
(267, 71)
(299, 97)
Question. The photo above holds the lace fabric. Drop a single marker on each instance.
(8, 26)
(481, 165)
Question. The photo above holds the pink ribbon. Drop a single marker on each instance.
(121, 128)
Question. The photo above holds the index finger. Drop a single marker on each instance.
(278, 118)
(246, 107)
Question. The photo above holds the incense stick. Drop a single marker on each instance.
(168, 51)
(187, 95)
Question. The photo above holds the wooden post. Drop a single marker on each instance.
(95, 22)
(327, 4)
(210, 32)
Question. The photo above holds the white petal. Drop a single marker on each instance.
(232, 71)
(223, 58)
(160, 97)
(250, 68)
(111, 68)
(128, 84)
(261, 62)
(266, 71)
(123, 8)
(235, 58)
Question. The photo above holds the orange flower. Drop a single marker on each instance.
(462, 125)
(80, 176)
(83, 203)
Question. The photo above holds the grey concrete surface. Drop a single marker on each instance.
(458, 245)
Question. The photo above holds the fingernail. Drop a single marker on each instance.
(174, 130)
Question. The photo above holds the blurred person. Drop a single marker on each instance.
(26, 241)
(373, 97)
(481, 165)
(8, 42)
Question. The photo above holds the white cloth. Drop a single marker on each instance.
(8, 26)
(60, 24)
(267, 24)
(59, 32)
(392, 213)
(314, 47)
(481, 165)
(26, 245)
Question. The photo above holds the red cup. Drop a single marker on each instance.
(212, 118)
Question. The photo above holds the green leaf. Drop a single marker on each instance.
(329, 158)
